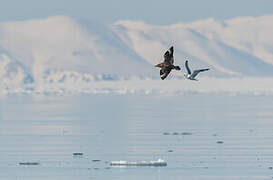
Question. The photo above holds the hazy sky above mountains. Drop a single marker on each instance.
(150, 11)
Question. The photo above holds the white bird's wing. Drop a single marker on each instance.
(195, 72)
(187, 67)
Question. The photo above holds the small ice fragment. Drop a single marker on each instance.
(186, 133)
(170, 150)
(159, 162)
(77, 154)
(29, 163)
(220, 142)
(96, 160)
(166, 133)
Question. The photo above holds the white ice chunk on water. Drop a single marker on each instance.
(159, 162)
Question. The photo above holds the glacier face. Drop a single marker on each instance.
(63, 49)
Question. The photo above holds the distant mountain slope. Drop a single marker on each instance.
(248, 34)
(193, 40)
(11, 71)
(65, 49)
(67, 44)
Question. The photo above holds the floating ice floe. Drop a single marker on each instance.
(159, 162)
(186, 133)
(29, 163)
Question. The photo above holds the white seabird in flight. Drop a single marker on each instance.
(191, 76)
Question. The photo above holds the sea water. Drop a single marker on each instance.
(199, 135)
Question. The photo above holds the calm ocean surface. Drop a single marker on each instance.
(201, 136)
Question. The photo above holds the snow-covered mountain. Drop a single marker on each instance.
(61, 48)
(12, 71)
(232, 47)
(65, 49)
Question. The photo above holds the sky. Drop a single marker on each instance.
(161, 12)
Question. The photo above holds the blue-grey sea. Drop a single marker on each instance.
(200, 135)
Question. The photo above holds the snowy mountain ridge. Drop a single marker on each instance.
(64, 49)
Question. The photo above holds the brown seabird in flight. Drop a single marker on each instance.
(167, 66)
